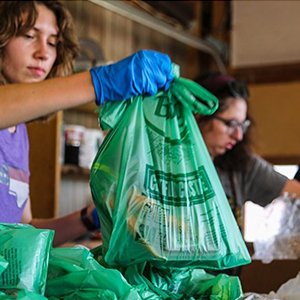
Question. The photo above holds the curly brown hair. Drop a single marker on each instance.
(18, 17)
(237, 158)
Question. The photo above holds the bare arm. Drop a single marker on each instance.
(292, 187)
(23, 102)
(66, 228)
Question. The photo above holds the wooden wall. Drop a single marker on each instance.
(44, 139)
(265, 48)
(275, 108)
(265, 33)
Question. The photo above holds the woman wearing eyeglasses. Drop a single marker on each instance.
(244, 175)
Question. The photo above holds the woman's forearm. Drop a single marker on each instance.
(24, 102)
(66, 228)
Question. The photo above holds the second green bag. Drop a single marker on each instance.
(26, 249)
(156, 190)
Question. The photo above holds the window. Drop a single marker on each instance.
(253, 212)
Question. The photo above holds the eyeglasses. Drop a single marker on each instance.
(236, 88)
(233, 125)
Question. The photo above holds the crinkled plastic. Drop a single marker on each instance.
(26, 249)
(70, 259)
(3, 264)
(184, 284)
(156, 190)
(255, 296)
(103, 284)
(154, 283)
(74, 274)
(290, 290)
(279, 234)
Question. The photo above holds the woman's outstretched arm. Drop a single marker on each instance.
(142, 73)
(24, 102)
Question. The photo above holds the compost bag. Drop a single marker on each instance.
(26, 251)
(3, 264)
(156, 190)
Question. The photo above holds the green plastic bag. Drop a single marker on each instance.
(3, 264)
(184, 283)
(103, 284)
(67, 260)
(75, 274)
(26, 249)
(156, 190)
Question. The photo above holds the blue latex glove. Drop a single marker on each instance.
(96, 219)
(142, 73)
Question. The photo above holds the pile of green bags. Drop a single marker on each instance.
(32, 270)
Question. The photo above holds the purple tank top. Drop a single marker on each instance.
(14, 174)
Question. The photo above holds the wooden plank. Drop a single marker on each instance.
(44, 157)
(275, 109)
(268, 74)
(264, 278)
(283, 160)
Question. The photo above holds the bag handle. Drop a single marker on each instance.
(193, 96)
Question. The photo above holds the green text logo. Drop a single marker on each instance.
(180, 189)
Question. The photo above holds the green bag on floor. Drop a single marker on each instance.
(74, 274)
(184, 283)
(103, 284)
(67, 260)
(26, 249)
(156, 190)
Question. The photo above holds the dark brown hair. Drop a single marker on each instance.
(237, 158)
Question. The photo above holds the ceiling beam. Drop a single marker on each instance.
(268, 74)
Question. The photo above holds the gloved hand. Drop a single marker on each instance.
(142, 73)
